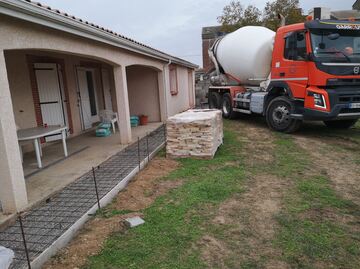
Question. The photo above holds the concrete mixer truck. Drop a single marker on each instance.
(304, 71)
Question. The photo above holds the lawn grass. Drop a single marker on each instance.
(310, 233)
(174, 221)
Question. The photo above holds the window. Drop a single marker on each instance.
(331, 45)
(173, 80)
(295, 46)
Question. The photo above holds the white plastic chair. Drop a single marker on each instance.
(109, 116)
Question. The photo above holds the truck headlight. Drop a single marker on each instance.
(319, 100)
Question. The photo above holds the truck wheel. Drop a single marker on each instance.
(227, 108)
(340, 124)
(214, 100)
(278, 115)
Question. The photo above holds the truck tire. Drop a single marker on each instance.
(227, 107)
(340, 124)
(278, 115)
(214, 100)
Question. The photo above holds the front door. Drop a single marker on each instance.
(51, 96)
(87, 97)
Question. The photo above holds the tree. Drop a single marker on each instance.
(234, 16)
(290, 9)
(252, 16)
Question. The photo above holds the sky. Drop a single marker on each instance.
(172, 26)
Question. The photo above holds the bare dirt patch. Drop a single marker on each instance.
(342, 172)
(258, 141)
(214, 252)
(146, 187)
(249, 222)
(248, 219)
(138, 195)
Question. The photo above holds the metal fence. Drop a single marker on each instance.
(35, 230)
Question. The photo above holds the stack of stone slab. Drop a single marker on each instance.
(194, 133)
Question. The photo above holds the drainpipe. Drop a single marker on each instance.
(165, 87)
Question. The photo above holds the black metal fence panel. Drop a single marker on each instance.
(35, 230)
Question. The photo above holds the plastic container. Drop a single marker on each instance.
(134, 121)
(103, 130)
(144, 120)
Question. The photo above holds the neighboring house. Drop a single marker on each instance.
(208, 35)
(356, 5)
(327, 13)
(57, 69)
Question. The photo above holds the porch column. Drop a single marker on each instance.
(13, 193)
(122, 102)
(162, 95)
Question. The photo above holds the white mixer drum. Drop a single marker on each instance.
(246, 53)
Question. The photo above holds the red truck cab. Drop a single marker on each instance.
(317, 64)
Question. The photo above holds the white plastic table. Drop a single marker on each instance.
(38, 132)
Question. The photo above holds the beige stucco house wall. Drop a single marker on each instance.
(144, 92)
(139, 80)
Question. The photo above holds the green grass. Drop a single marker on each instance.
(174, 221)
(308, 235)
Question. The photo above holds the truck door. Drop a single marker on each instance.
(293, 67)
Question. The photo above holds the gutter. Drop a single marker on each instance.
(50, 18)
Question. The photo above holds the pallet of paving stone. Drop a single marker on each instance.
(195, 133)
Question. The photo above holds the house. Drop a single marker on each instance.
(327, 13)
(208, 35)
(56, 69)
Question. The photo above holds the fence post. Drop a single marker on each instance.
(24, 240)
(147, 148)
(138, 148)
(96, 189)
(164, 125)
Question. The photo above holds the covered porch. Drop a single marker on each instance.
(50, 88)
(85, 151)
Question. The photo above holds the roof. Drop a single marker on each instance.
(44, 15)
(345, 14)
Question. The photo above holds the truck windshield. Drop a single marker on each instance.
(336, 45)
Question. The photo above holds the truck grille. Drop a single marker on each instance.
(350, 110)
(349, 98)
(343, 82)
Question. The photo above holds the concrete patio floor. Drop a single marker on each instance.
(85, 151)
